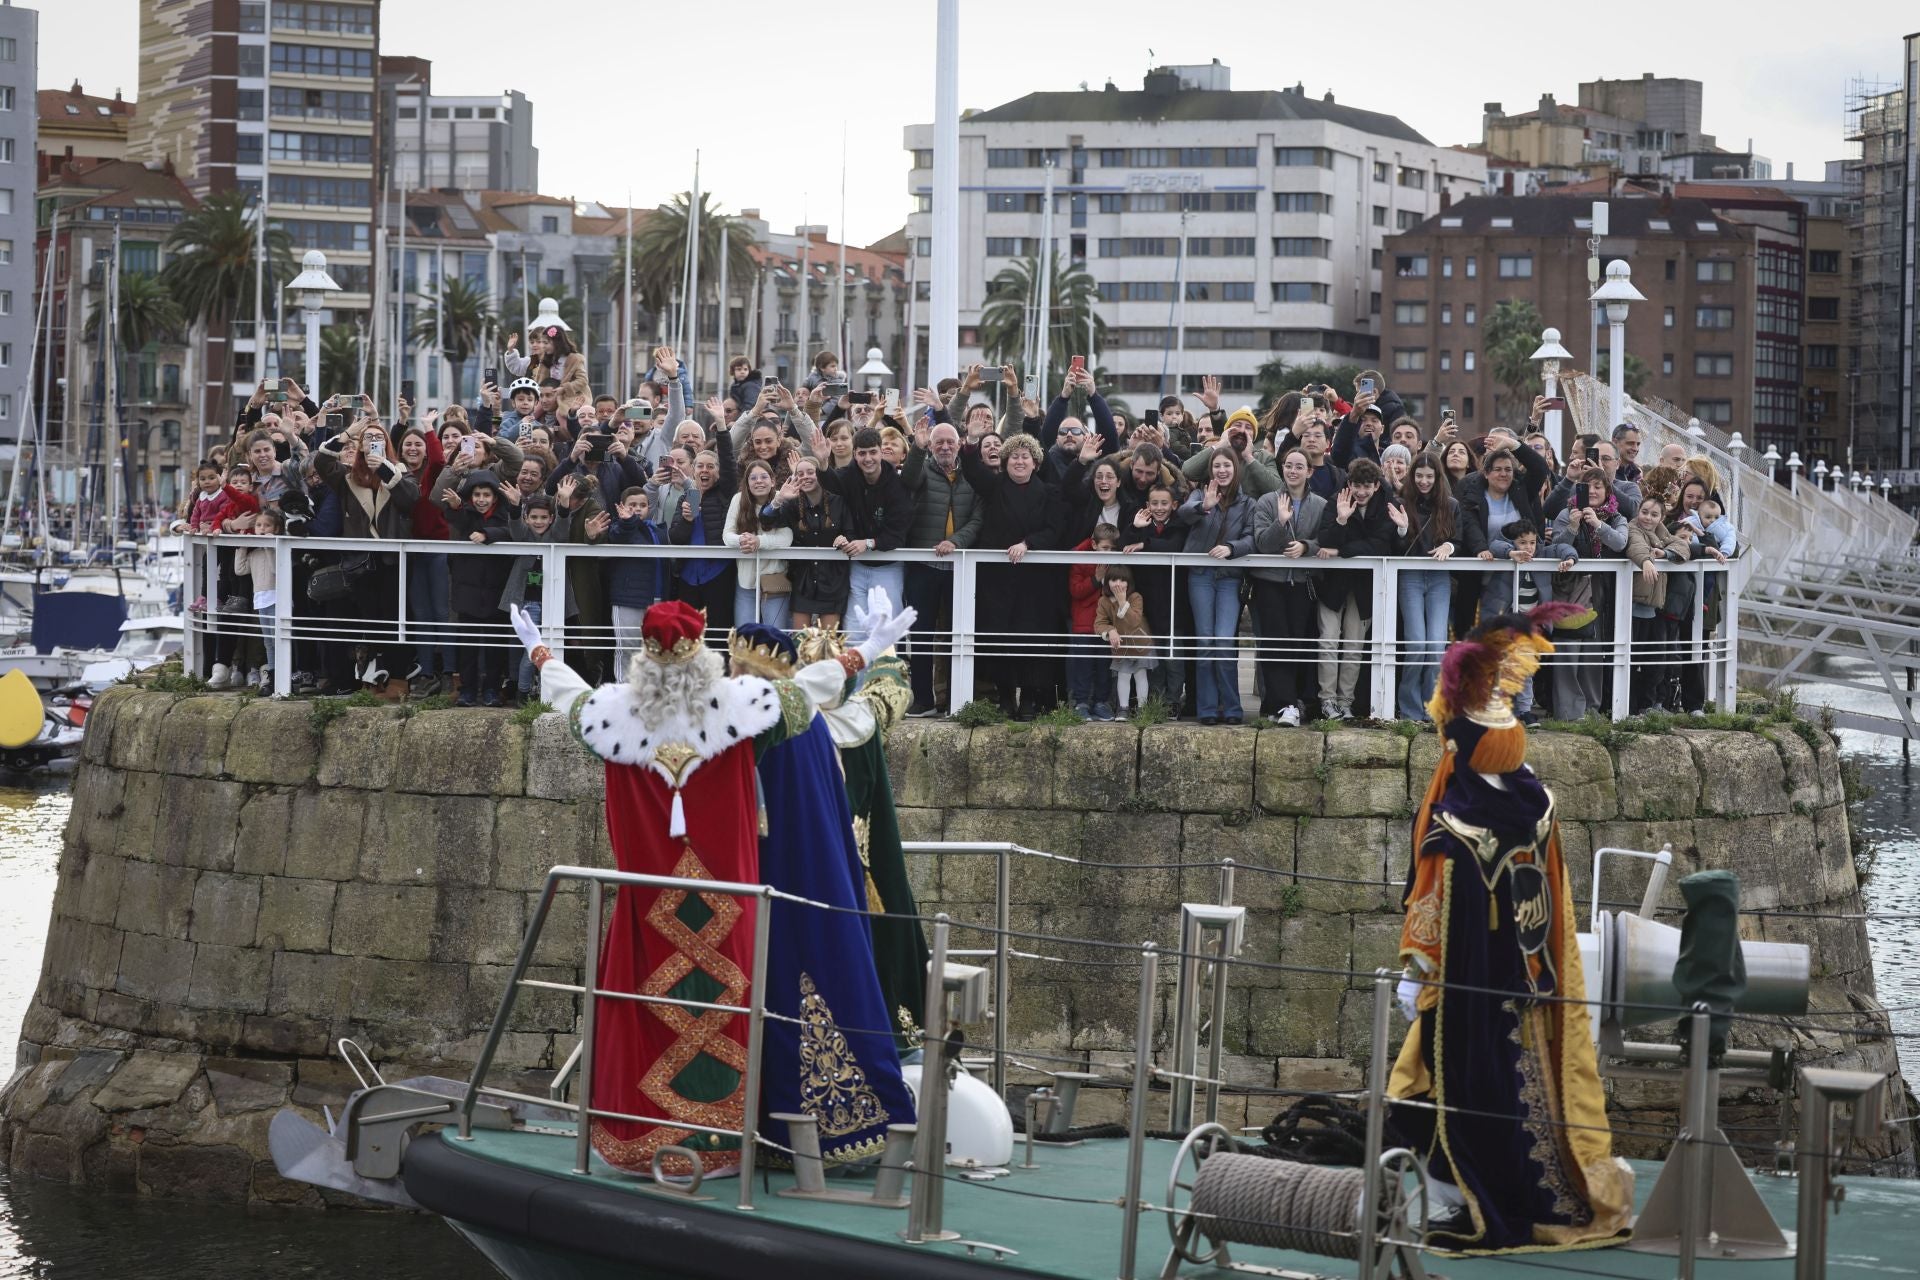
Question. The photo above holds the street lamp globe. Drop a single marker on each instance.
(874, 372)
(548, 317)
(1618, 292)
(313, 286)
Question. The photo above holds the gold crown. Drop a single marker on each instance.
(684, 649)
(817, 644)
(758, 659)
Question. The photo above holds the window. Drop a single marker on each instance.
(1446, 268)
(6, 200)
(1379, 215)
(1373, 258)
(307, 233)
(1713, 271)
(550, 224)
(1446, 313)
(6, 97)
(1824, 262)
(486, 113)
(1708, 365)
(1410, 359)
(1381, 171)
(923, 247)
(1466, 360)
(1408, 219)
(140, 257)
(1373, 303)
(1240, 157)
(1315, 157)
(6, 253)
(324, 104)
(1003, 202)
(923, 204)
(1199, 291)
(321, 60)
(1200, 157)
(1472, 315)
(1516, 266)
(1823, 308)
(1238, 291)
(463, 113)
(1713, 317)
(1666, 317)
(1715, 411)
(1823, 357)
(1416, 406)
(353, 193)
(1299, 247)
(1149, 157)
(436, 113)
(1446, 362)
(1298, 291)
(1466, 408)
(1410, 266)
(6, 407)
(923, 158)
(1501, 224)
(1112, 204)
(1673, 266)
(1302, 202)
(1411, 312)
(409, 113)
(1473, 266)
(246, 148)
(1415, 178)
(9, 50)
(1149, 202)
(1239, 201)
(1006, 158)
(1199, 246)
(345, 19)
(320, 148)
(1009, 246)
(1666, 364)
(6, 355)
(252, 61)
(1113, 158)
(6, 302)
(1236, 246)
(6, 150)
(1196, 202)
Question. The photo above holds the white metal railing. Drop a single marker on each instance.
(1382, 653)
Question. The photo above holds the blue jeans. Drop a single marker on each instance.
(868, 574)
(774, 611)
(529, 677)
(1215, 596)
(1089, 670)
(427, 595)
(1426, 595)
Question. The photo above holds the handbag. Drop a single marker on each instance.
(1574, 588)
(775, 584)
(336, 581)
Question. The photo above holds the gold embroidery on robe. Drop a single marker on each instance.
(833, 1088)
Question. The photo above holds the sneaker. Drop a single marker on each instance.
(302, 682)
(490, 698)
(1231, 720)
(922, 711)
(1345, 711)
(1101, 711)
(1329, 709)
(199, 605)
(417, 672)
(1082, 710)
(464, 700)
(219, 677)
(1288, 717)
(1209, 720)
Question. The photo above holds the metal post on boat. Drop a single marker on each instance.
(1137, 1117)
(1216, 1041)
(930, 1148)
(590, 980)
(483, 1062)
(1002, 1004)
(756, 1035)
(1698, 1130)
(1821, 1090)
(1367, 1248)
(1186, 1024)
(890, 1180)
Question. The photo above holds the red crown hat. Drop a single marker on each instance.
(673, 631)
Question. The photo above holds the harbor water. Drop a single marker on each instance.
(51, 1231)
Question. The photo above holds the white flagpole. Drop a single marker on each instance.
(943, 350)
(690, 331)
(840, 338)
(626, 310)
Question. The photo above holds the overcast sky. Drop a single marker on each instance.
(624, 91)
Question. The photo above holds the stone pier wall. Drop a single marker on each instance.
(245, 882)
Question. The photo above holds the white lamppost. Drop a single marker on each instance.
(312, 287)
(1820, 474)
(1695, 430)
(874, 372)
(548, 317)
(1772, 458)
(1886, 488)
(1793, 471)
(1550, 353)
(1617, 294)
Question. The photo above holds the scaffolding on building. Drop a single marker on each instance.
(1876, 178)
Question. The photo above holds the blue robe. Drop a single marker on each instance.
(840, 1064)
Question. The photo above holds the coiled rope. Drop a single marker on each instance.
(1279, 1204)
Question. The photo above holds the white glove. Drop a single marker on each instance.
(525, 628)
(1408, 993)
(883, 626)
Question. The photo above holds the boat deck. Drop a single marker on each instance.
(1043, 1214)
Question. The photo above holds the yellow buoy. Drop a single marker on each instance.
(21, 713)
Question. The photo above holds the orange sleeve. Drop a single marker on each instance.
(1421, 930)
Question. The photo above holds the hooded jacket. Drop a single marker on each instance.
(476, 581)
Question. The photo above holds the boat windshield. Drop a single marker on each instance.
(148, 643)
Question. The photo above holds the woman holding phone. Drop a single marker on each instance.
(428, 585)
(377, 497)
(1219, 522)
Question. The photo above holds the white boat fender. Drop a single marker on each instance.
(979, 1127)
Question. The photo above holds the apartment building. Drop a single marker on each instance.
(234, 106)
(1698, 333)
(19, 71)
(480, 142)
(76, 125)
(1224, 228)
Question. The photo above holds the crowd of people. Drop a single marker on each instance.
(1262, 505)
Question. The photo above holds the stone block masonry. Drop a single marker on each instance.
(243, 883)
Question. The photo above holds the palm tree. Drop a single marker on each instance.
(1511, 334)
(1276, 377)
(1637, 374)
(1010, 298)
(148, 313)
(339, 361)
(660, 252)
(211, 273)
(456, 318)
